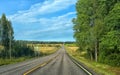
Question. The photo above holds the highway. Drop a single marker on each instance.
(58, 63)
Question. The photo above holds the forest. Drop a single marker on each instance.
(97, 30)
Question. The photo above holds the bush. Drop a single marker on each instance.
(113, 60)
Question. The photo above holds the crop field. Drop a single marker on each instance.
(45, 48)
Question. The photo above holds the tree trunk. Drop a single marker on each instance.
(96, 50)
(91, 56)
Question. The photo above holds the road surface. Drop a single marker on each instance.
(58, 63)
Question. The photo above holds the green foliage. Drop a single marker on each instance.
(113, 59)
(6, 34)
(110, 43)
(5, 31)
(11, 47)
(20, 49)
(97, 29)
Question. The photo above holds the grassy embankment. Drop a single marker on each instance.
(44, 50)
(102, 69)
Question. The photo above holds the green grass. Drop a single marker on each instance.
(99, 68)
(12, 61)
(71, 45)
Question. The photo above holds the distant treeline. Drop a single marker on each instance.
(46, 42)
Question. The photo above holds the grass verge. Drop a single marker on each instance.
(99, 68)
(12, 61)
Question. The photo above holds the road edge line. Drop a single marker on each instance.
(82, 67)
(78, 64)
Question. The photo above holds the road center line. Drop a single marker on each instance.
(39, 66)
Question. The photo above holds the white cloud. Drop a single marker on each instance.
(54, 25)
(49, 6)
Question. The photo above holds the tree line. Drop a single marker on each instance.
(97, 30)
(8, 46)
(47, 42)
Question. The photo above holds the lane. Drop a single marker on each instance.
(62, 65)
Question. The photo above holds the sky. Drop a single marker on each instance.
(40, 20)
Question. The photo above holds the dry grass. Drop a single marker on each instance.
(47, 49)
(1, 47)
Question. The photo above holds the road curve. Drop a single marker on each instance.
(58, 63)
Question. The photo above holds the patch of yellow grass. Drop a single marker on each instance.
(1, 47)
(46, 49)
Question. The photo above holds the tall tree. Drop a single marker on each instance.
(96, 25)
(6, 33)
(86, 26)
(0, 32)
(110, 43)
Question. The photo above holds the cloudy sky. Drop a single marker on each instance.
(43, 20)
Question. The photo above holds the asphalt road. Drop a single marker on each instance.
(58, 63)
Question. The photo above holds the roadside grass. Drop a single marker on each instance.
(12, 61)
(99, 68)
(71, 45)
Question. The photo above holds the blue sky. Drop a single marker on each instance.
(42, 20)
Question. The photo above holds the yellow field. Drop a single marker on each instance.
(47, 49)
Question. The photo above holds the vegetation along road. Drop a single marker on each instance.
(58, 63)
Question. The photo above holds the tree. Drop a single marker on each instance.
(6, 33)
(97, 23)
(12, 48)
(110, 43)
(86, 26)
